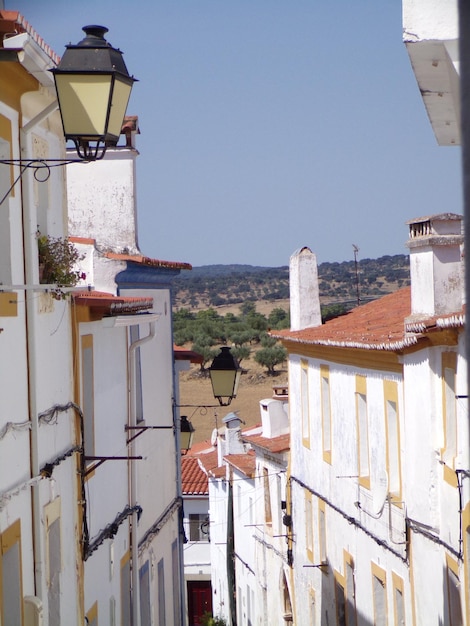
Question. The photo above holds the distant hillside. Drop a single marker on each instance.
(218, 285)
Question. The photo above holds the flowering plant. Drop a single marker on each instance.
(57, 262)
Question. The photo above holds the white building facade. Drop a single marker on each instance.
(379, 492)
(39, 451)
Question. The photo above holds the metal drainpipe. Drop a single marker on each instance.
(30, 263)
(133, 474)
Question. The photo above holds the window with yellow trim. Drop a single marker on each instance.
(309, 525)
(268, 516)
(350, 590)
(325, 412)
(88, 400)
(379, 595)
(126, 611)
(11, 585)
(54, 560)
(393, 456)
(322, 533)
(305, 399)
(340, 599)
(6, 182)
(454, 617)
(399, 618)
(449, 408)
(92, 615)
(363, 461)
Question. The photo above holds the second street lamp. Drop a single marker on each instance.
(225, 374)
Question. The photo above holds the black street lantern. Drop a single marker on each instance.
(225, 376)
(186, 433)
(93, 89)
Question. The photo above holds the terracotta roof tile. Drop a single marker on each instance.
(13, 23)
(88, 241)
(111, 304)
(194, 479)
(378, 325)
(144, 260)
(209, 463)
(244, 463)
(187, 355)
(384, 324)
(275, 444)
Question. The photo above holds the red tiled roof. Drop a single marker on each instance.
(244, 463)
(384, 324)
(88, 241)
(111, 304)
(13, 23)
(181, 354)
(378, 325)
(144, 260)
(194, 479)
(209, 463)
(275, 444)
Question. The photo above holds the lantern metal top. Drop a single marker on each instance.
(92, 53)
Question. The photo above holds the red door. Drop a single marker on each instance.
(199, 600)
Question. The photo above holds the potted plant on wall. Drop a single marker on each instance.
(57, 264)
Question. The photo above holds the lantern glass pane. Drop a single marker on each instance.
(185, 439)
(121, 94)
(83, 102)
(223, 382)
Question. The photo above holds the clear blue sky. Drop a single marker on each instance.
(268, 125)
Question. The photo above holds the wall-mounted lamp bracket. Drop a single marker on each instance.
(41, 168)
(142, 429)
(102, 459)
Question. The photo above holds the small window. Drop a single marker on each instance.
(363, 460)
(88, 400)
(11, 598)
(145, 607)
(267, 497)
(379, 594)
(453, 593)
(398, 601)
(322, 533)
(126, 616)
(309, 525)
(161, 593)
(198, 527)
(326, 412)
(305, 399)
(139, 403)
(54, 560)
(393, 440)
(449, 411)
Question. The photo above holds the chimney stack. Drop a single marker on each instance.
(436, 267)
(304, 293)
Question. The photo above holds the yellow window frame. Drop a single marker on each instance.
(326, 420)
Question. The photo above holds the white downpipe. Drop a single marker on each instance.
(133, 477)
(30, 256)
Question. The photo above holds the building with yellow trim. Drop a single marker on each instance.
(379, 480)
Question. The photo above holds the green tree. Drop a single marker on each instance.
(270, 357)
(207, 353)
(278, 318)
(241, 352)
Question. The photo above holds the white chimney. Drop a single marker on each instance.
(274, 417)
(233, 442)
(304, 292)
(436, 266)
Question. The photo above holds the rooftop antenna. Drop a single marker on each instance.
(356, 250)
